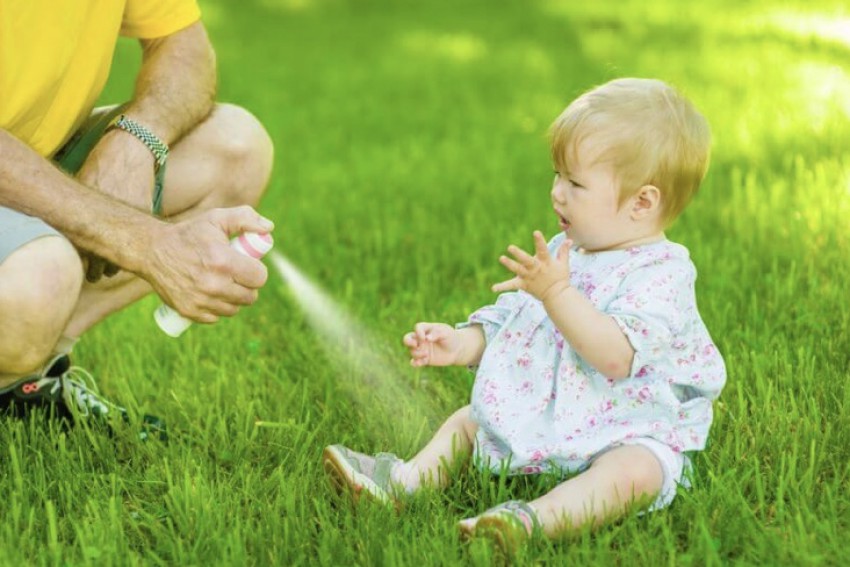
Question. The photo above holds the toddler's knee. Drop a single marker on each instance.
(641, 472)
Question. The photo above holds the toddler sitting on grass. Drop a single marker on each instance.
(594, 362)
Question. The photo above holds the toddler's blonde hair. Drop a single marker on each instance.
(650, 133)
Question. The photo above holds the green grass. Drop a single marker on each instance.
(410, 151)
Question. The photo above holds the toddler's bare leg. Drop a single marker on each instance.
(617, 479)
(454, 440)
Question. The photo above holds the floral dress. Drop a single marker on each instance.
(539, 406)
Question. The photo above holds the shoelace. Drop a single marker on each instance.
(79, 387)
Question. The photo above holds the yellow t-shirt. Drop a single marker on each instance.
(55, 57)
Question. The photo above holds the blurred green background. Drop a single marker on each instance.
(410, 150)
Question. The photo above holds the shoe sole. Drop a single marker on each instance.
(467, 532)
(345, 478)
(494, 529)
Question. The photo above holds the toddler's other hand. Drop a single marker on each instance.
(432, 344)
(540, 275)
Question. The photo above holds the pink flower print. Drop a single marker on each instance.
(531, 469)
(645, 394)
(491, 391)
(640, 374)
(537, 456)
(526, 387)
(524, 361)
(590, 421)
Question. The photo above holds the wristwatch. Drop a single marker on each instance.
(158, 148)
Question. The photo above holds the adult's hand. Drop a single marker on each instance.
(192, 267)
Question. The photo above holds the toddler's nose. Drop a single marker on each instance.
(556, 194)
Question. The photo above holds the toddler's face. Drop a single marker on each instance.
(586, 198)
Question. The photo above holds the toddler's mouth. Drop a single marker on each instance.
(565, 224)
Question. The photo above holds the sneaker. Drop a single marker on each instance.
(509, 525)
(41, 390)
(362, 474)
(70, 393)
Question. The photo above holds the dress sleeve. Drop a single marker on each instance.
(654, 305)
(150, 19)
(492, 317)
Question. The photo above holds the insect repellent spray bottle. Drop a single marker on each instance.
(253, 244)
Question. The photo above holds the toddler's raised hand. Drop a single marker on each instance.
(432, 344)
(540, 275)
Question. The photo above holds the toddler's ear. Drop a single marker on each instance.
(646, 202)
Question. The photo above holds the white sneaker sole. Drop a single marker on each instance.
(344, 477)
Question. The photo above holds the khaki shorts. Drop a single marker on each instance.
(17, 229)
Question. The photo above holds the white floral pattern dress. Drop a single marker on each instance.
(540, 407)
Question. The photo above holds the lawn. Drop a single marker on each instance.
(410, 151)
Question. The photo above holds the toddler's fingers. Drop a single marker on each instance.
(507, 285)
(421, 330)
(522, 256)
(540, 246)
(564, 249)
(410, 340)
(419, 358)
(513, 266)
(436, 333)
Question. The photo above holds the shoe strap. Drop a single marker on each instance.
(517, 510)
(384, 463)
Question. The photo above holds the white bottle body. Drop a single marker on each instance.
(252, 244)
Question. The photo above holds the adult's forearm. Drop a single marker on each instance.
(594, 335)
(176, 85)
(29, 183)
